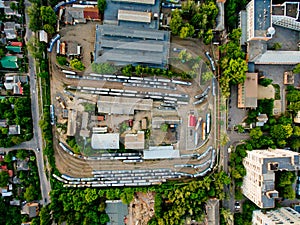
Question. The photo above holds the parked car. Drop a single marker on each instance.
(237, 206)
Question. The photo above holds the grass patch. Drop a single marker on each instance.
(277, 91)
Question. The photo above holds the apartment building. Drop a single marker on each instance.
(282, 216)
(259, 182)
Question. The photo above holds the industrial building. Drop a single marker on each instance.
(139, 46)
(135, 141)
(161, 152)
(284, 216)
(122, 106)
(260, 165)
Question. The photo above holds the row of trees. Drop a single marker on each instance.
(195, 18)
(41, 17)
(174, 203)
(232, 63)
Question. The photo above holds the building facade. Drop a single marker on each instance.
(282, 216)
(260, 165)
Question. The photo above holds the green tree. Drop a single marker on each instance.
(90, 195)
(77, 65)
(45, 216)
(281, 132)
(276, 46)
(256, 133)
(296, 131)
(3, 178)
(30, 194)
(49, 29)
(13, 6)
(236, 71)
(34, 15)
(176, 22)
(186, 31)
(48, 15)
(208, 37)
(235, 35)
(265, 82)
(164, 127)
(104, 218)
(297, 68)
(102, 6)
(206, 76)
(21, 154)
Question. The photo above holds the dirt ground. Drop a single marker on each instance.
(84, 35)
(141, 209)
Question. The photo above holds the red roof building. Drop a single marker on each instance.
(10, 173)
(91, 13)
(192, 121)
(16, 43)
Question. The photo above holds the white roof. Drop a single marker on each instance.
(134, 16)
(149, 2)
(161, 152)
(278, 58)
(105, 141)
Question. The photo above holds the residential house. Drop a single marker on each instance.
(9, 62)
(10, 30)
(14, 129)
(31, 209)
(16, 43)
(22, 165)
(13, 49)
(15, 202)
(3, 123)
(14, 82)
(261, 120)
(212, 211)
(6, 9)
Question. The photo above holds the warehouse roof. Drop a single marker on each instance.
(161, 152)
(135, 141)
(149, 2)
(122, 105)
(139, 46)
(134, 16)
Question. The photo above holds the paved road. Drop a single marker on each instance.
(37, 142)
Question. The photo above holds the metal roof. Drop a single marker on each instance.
(134, 16)
(140, 45)
(278, 58)
(122, 105)
(161, 152)
(148, 2)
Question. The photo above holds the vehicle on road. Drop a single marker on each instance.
(38, 149)
(237, 206)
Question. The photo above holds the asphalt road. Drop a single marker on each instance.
(37, 134)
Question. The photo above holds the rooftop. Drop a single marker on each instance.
(161, 152)
(115, 44)
(149, 2)
(134, 16)
(9, 62)
(105, 141)
(135, 141)
(247, 92)
(122, 105)
(278, 58)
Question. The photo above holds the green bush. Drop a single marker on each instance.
(61, 60)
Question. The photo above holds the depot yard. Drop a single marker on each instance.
(99, 114)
